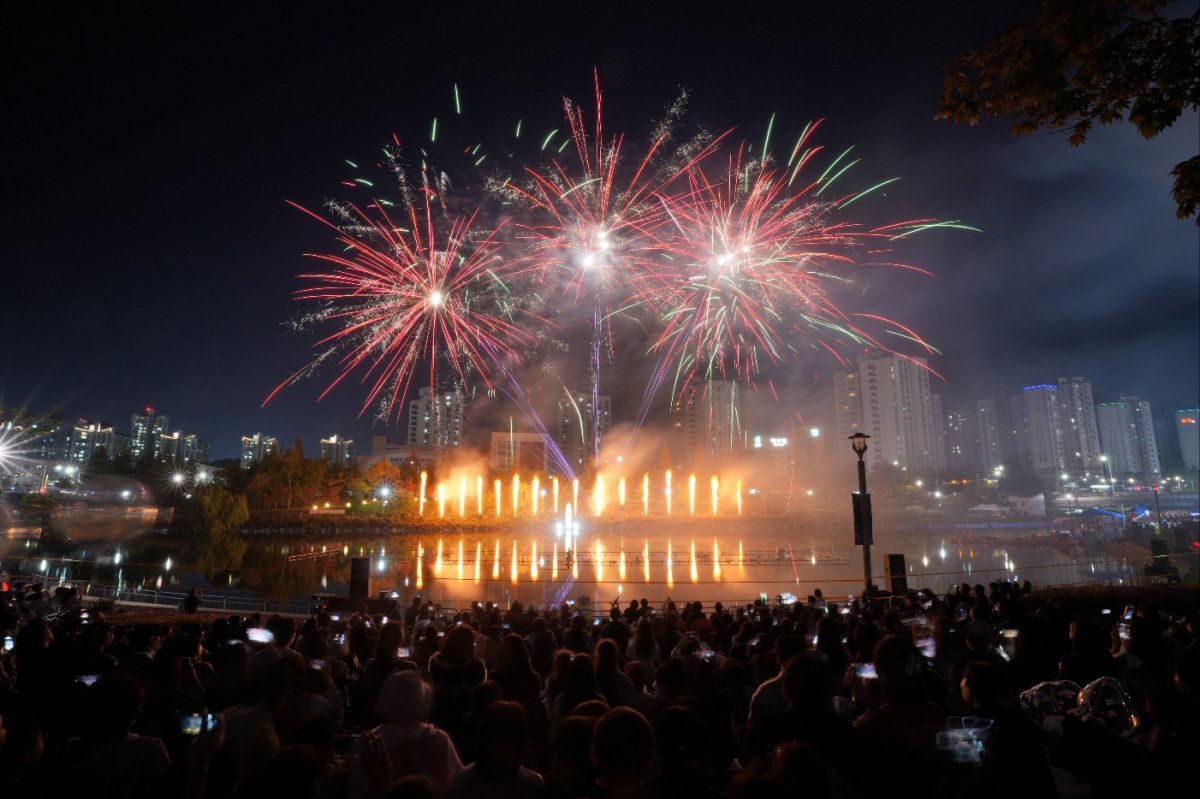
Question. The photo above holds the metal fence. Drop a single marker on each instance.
(174, 599)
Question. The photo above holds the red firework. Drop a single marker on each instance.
(403, 296)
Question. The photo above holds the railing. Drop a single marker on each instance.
(175, 599)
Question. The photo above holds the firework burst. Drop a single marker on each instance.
(428, 293)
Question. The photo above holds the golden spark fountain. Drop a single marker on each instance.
(479, 492)
(691, 495)
(621, 565)
(535, 489)
(668, 491)
(599, 562)
(646, 560)
(621, 493)
(441, 495)
(460, 558)
(496, 488)
(513, 569)
(554, 491)
(598, 495)
(575, 493)
(496, 561)
(646, 494)
(420, 566)
(695, 572)
(670, 566)
(569, 528)
(478, 559)
(738, 490)
(715, 485)
(421, 497)
(716, 561)
(554, 563)
(516, 493)
(437, 563)
(533, 571)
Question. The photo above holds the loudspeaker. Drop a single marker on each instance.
(1159, 554)
(896, 574)
(360, 578)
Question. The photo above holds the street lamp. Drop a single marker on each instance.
(862, 509)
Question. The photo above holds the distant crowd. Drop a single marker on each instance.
(983, 690)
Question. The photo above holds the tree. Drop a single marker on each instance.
(220, 517)
(1083, 63)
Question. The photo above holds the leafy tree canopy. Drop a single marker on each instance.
(1083, 63)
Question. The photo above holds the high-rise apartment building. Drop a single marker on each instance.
(257, 447)
(1077, 424)
(195, 450)
(577, 423)
(961, 452)
(436, 419)
(1127, 437)
(1040, 439)
(521, 452)
(993, 428)
(897, 412)
(337, 451)
(847, 398)
(706, 421)
(1187, 427)
(144, 432)
(939, 433)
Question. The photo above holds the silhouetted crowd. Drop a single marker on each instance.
(986, 690)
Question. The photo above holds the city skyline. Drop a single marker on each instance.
(1117, 305)
(1051, 428)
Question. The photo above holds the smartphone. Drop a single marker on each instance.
(1128, 614)
(1003, 655)
(1106, 612)
(384, 620)
(195, 723)
(928, 647)
(441, 634)
(866, 671)
(596, 623)
(317, 663)
(260, 635)
(87, 679)
(844, 611)
(340, 639)
(505, 626)
(9, 643)
(335, 617)
(404, 652)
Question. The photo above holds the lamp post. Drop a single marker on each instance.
(1158, 509)
(862, 509)
(1108, 473)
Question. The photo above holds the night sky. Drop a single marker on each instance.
(150, 257)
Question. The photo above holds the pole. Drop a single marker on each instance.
(1158, 510)
(862, 491)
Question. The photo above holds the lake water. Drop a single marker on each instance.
(726, 560)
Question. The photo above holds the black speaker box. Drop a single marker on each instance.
(896, 574)
(360, 578)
